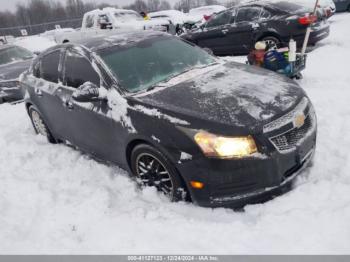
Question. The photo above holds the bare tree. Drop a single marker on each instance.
(164, 5)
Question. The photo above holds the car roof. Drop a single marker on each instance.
(273, 4)
(120, 38)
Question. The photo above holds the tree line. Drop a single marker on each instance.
(36, 12)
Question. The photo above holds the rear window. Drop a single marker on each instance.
(248, 14)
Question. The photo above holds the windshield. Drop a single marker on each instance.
(147, 63)
(128, 16)
(13, 54)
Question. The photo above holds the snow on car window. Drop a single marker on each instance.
(144, 64)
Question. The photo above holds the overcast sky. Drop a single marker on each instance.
(11, 4)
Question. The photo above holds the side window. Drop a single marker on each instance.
(49, 66)
(89, 22)
(248, 14)
(265, 14)
(220, 19)
(36, 69)
(78, 70)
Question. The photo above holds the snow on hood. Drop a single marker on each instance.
(231, 93)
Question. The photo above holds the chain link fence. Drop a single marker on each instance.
(40, 28)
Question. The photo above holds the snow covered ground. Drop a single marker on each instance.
(54, 199)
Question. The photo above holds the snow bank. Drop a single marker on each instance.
(54, 199)
(34, 43)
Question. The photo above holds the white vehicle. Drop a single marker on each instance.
(52, 34)
(6, 39)
(177, 18)
(99, 22)
(199, 13)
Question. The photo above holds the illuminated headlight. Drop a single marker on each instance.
(225, 147)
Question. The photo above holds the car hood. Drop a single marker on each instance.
(13, 70)
(233, 94)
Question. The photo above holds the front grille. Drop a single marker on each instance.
(290, 139)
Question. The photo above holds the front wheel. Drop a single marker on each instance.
(272, 42)
(39, 125)
(152, 168)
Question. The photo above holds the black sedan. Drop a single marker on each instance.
(236, 30)
(342, 5)
(14, 60)
(193, 126)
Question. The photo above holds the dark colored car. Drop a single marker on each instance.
(174, 116)
(14, 60)
(342, 5)
(236, 30)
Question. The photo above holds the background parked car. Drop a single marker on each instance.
(14, 60)
(99, 21)
(8, 39)
(177, 18)
(205, 12)
(52, 34)
(342, 5)
(236, 30)
(35, 44)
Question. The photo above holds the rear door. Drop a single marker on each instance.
(45, 83)
(214, 33)
(242, 33)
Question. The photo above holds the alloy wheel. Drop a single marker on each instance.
(151, 172)
(39, 124)
(271, 43)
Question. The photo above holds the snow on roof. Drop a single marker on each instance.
(213, 8)
(109, 10)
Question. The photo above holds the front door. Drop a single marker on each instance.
(214, 33)
(243, 32)
(90, 126)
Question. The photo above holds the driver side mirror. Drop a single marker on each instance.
(88, 92)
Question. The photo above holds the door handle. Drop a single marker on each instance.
(224, 31)
(38, 92)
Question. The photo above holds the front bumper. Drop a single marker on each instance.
(235, 183)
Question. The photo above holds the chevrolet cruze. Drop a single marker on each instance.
(220, 134)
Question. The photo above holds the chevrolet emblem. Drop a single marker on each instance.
(299, 120)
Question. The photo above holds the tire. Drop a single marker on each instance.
(151, 168)
(348, 9)
(272, 41)
(39, 125)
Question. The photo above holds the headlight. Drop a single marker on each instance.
(225, 147)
